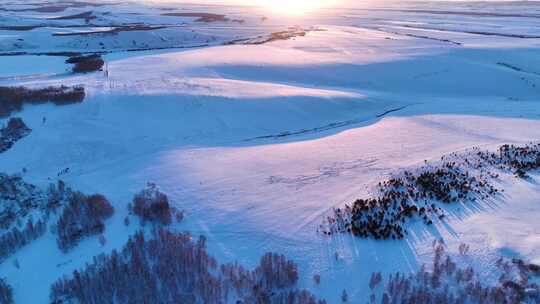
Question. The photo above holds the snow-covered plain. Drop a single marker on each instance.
(257, 143)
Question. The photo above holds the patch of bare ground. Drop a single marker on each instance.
(200, 17)
(58, 6)
(380, 29)
(85, 15)
(115, 30)
(482, 33)
(59, 54)
(420, 193)
(19, 27)
(276, 36)
(12, 99)
(472, 13)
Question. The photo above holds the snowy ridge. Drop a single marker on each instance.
(258, 143)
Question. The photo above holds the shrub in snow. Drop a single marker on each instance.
(152, 205)
(179, 215)
(83, 216)
(419, 193)
(344, 296)
(12, 132)
(102, 240)
(174, 268)
(6, 293)
(13, 98)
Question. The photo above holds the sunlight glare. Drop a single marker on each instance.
(296, 7)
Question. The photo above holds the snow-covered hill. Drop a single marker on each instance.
(257, 143)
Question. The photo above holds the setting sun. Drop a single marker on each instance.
(296, 7)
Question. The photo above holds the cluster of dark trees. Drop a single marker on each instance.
(82, 216)
(13, 98)
(285, 276)
(12, 132)
(457, 178)
(56, 195)
(409, 196)
(153, 205)
(448, 283)
(17, 198)
(520, 158)
(173, 268)
(517, 159)
(15, 238)
(6, 292)
(86, 64)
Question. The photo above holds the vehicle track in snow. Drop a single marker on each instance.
(330, 126)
